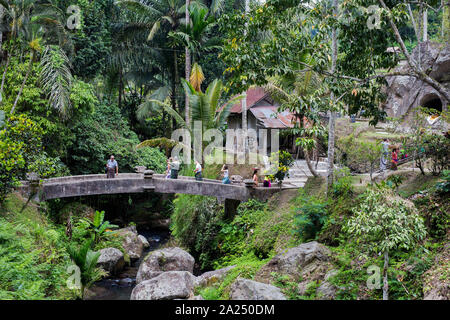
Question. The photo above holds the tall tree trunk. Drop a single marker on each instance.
(413, 22)
(30, 67)
(446, 20)
(332, 120)
(309, 164)
(385, 276)
(425, 25)
(120, 86)
(2, 11)
(244, 94)
(188, 69)
(5, 71)
(174, 87)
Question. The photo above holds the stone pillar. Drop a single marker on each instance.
(149, 184)
(249, 183)
(148, 174)
(34, 183)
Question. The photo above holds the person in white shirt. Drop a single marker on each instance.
(112, 168)
(198, 171)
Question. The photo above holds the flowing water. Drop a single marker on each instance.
(120, 286)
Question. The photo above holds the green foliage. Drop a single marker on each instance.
(358, 154)
(103, 133)
(342, 186)
(33, 259)
(285, 160)
(444, 186)
(20, 145)
(311, 217)
(246, 266)
(196, 221)
(46, 167)
(86, 260)
(234, 239)
(99, 226)
(427, 144)
(385, 222)
(92, 41)
(394, 181)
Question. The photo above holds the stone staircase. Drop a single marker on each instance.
(299, 172)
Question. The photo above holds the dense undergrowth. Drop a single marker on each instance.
(34, 256)
(259, 231)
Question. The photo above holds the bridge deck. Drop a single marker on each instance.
(125, 183)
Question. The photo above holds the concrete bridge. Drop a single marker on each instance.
(126, 183)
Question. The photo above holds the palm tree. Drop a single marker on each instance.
(34, 45)
(157, 14)
(42, 27)
(205, 107)
(17, 13)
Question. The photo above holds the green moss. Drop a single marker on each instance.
(245, 267)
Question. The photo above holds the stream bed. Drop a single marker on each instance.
(120, 286)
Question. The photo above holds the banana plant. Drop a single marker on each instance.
(99, 226)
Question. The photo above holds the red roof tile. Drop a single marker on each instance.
(270, 118)
(254, 95)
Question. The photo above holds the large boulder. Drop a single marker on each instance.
(245, 289)
(144, 241)
(132, 245)
(111, 260)
(167, 286)
(295, 262)
(211, 277)
(405, 93)
(167, 259)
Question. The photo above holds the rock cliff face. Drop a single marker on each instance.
(404, 93)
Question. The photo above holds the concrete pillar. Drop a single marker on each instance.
(149, 182)
(231, 206)
(249, 183)
(148, 174)
(34, 184)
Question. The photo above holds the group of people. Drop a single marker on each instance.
(396, 155)
(173, 167)
(255, 178)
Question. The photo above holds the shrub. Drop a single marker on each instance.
(196, 221)
(444, 186)
(342, 186)
(311, 217)
(285, 160)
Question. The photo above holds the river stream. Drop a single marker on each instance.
(120, 286)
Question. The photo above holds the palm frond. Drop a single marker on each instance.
(148, 108)
(197, 77)
(156, 26)
(56, 79)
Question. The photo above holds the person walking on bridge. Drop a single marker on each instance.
(112, 168)
(174, 167)
(384, 155)
(226, 179)
(198, 171)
